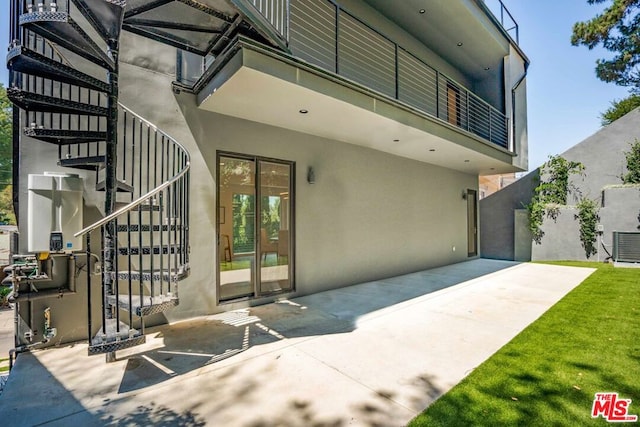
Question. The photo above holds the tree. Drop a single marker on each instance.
(6, 158)
(619, 108)
(617, 29)
(633, 164)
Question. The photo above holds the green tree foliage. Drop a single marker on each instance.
(551, 192)
(588, 218)
(633, 164)
(619, 108)
(5, 138)
(6, 159)
(617, 29)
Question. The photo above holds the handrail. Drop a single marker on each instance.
(137, 202)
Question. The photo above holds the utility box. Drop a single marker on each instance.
(54, 212)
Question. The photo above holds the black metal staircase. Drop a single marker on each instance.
(143, 249)
(63, 60)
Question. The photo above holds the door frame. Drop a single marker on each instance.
(257, 256)
(472, 222)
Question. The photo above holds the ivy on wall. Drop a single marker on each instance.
(633, 164)
(551, 192)
(588, 218)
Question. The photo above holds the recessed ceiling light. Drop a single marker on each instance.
(422, 11)
(460, 44)
(487, 68)
(303, 111)
(493, 169)
(466, 161)
(432, 149)
(396, 140)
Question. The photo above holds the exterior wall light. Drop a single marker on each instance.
(311, 175)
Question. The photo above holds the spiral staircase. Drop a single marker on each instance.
(63, 60)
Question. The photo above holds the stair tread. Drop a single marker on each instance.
(86, 163)
(105, 16)
(174, 275)
(61, 29)
(146, 305)
(49, 104)
(112, 340)
(121, 187)
(123, 228)
(25, 60)
(63, 136)
(149, 250)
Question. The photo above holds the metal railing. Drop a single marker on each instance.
(324, 34)
(507, 20)
(153, 239)
(152, 171)
(276, 12)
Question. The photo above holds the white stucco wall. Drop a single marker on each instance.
(369, 215)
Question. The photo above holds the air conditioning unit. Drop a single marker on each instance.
(626, 246)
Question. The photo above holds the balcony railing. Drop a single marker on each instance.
(508, 22)
(325, 35)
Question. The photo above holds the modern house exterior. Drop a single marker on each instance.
(218, 154)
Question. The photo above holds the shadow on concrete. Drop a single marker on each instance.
(49, 402)
(193, 344)
(152, 415)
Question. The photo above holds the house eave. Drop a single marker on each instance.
(263, 85)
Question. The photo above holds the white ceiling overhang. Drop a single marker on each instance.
(262, 87)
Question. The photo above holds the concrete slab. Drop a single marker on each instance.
(372, 354)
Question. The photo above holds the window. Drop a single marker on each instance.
(255, 226)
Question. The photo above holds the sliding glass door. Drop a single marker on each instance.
(255, 227)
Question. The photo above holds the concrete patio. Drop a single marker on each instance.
(371, 354)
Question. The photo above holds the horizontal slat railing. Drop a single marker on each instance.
(325, 35)
(328, 36)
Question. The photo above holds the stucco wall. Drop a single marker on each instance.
(562, 237)
(602, 154)
(369, 215)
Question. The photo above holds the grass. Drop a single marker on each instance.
(4, 365)
(547, 375)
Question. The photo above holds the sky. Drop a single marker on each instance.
(564, 96)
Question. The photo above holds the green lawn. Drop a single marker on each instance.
(547, 375)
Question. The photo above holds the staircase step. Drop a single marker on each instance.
(113, 340)
(149, 250)
(157, 275)
(105, 16)
(25, 60)
(91, 163)
(134, 228)
(146, 305)
(61, 29)
(48, 104)
(65, 137)
(121, 187)
(195, 26)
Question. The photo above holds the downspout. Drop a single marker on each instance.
(513, 109)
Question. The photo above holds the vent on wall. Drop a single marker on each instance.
(626, 246)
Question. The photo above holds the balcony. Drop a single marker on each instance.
(334, 57)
